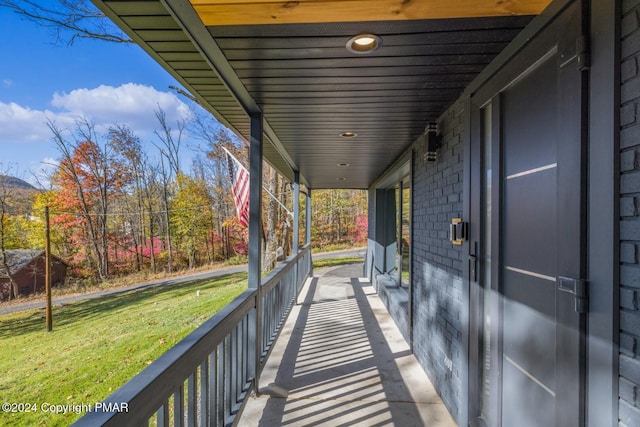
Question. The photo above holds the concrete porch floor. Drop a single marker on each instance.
(341, 361)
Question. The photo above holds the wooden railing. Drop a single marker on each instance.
(204, 380)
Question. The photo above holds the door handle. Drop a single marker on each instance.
(578, 288)
(473, 268)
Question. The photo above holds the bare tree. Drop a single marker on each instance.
(169, 147)
(68, 20)
(6, 196)
(152, 191)
(272, 220)
(129, 148)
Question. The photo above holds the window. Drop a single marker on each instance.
(403, 232)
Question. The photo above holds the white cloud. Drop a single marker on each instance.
(22, 124)
(7, 82)
(25, 137)
(131, 104)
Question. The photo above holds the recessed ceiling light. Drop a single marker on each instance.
(343, 165)
(341, 179)
(348, 134)
(364, 43)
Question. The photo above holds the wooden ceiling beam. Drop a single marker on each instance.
(257, 12)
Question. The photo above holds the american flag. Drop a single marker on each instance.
(240, 179)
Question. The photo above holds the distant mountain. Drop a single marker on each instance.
(22, 194)
(13, 182)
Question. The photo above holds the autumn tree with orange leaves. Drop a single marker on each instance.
(89, 177)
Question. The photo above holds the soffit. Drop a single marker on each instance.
(311, 88)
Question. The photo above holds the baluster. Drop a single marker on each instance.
(221, 376)
(238, 358)
(191, 399)
(213, 387)
(203, 401)
(162, 416)
(228, 378)
(178, 406)
(233, 368)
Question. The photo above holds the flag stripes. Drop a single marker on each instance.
(240, 181)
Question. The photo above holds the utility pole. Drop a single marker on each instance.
(47, 269)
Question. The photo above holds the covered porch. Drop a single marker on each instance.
(341, 361)
(438, 109)
(331, 355)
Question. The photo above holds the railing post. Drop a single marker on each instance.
(307, 227)
(296, 211)
(307, 240)
(296, 224)
(255, 244)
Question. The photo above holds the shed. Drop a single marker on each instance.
(28, 269)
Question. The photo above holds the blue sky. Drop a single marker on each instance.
(40, 80)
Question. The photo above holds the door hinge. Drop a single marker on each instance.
(580, 52)
(579, 288)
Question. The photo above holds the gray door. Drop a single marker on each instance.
(536, 230)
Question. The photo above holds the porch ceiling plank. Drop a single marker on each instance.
(451, 36)
(354, 87)
(137, 8)
(180, 56)
(491, 48)
(378, 72)
(352, 95)
(154, 35)
(172, 46)
(158, 22)
(329, 64)
(305, 81)
(256, 12)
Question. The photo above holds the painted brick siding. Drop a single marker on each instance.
(437, 266)
(629, 402)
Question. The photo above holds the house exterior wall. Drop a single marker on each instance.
(436, 263)
(31, 278)
(436, 303)
(629, 363)
(439, 313)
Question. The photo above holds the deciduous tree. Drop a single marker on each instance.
(68, 20)
(89, 178)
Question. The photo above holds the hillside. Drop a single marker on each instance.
(11, 182)
(20, 194)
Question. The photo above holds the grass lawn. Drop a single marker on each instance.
(334, 262)
(97, 345)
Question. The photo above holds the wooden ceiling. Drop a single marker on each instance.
(258, 12)
(309, 86)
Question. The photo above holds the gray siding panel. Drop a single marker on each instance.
(630, 219)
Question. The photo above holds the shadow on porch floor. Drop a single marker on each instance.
(341, 361)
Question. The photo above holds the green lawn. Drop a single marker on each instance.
(97, 345)
(334, 262)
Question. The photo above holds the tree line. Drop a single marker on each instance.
(117, 208)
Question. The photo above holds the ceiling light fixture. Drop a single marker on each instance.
(343, 165)
(348, 134)
(341, 179)
(364, 43)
